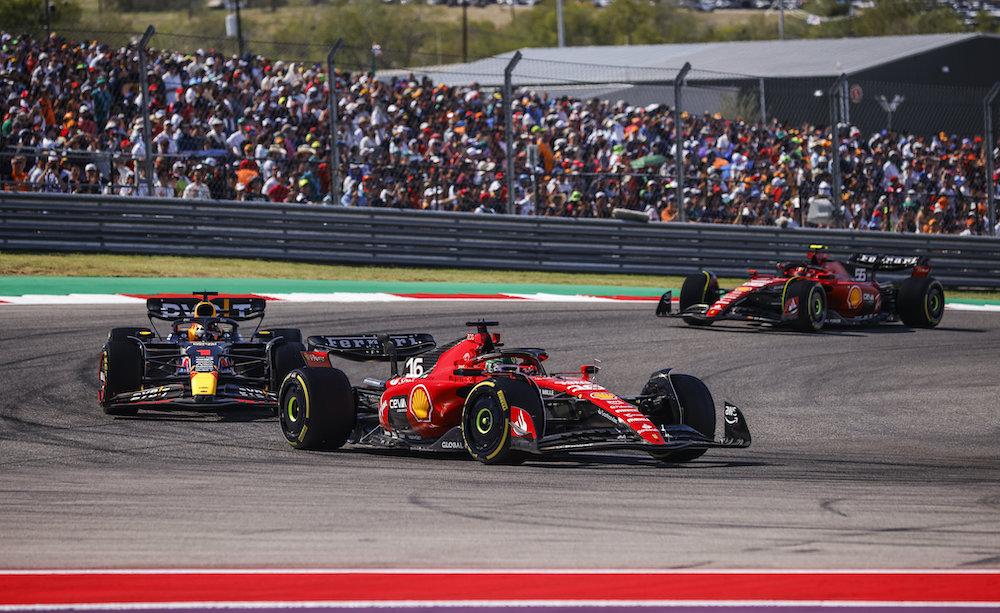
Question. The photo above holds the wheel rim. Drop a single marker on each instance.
(292, 418)
(817, 307)
(935, 304)
(292, 409)
(482, 421)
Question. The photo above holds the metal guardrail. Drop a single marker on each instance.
(316, 233)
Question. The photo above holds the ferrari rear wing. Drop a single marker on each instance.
(373, 347)
(887, 263)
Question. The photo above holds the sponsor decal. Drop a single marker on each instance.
(178, 310)
(521, 424)
(249, 392)
(868, 298)
(148, 394)
(792, 306)
(420, 403)
(603, 396)
(316, 358)
(399, 402)
(730, 415)
(854, 297)
(451, 445)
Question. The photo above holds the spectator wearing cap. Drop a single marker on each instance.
(91, 183)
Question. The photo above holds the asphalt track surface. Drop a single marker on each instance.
(873, 448)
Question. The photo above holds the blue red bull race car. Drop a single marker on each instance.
(203, 360)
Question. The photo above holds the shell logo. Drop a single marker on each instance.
(420, 403)
(854, 297)
(603, 396)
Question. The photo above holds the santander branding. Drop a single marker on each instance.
(600, 397)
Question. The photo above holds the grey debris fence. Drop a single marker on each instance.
(310, 233)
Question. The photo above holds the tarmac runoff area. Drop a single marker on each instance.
(873, 449)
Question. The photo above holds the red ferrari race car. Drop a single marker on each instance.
(497, 404)
(807, 295)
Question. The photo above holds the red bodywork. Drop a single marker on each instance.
(446, 386)
(853, 294)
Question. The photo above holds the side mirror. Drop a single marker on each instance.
(589, 370)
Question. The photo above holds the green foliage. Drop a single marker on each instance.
(895, 17)
(23, 15)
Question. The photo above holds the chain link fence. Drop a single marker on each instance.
(584, 140)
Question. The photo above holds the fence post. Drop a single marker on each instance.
(988, 146)
(332, 103)
(763, 101)
(508, 92)
(836, 93)
(679, 139)
(239, 29)
(147, 129)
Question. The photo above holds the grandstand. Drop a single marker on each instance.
(257, 128)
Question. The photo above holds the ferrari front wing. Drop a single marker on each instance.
(735, 434)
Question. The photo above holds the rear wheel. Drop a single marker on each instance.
(120, 370)
(285, 358)
(702, 288)
(291, 335)
(316, 408)
(920, 302)
(697, 410)
(807, 311)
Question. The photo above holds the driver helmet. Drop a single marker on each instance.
(500, 364)
(197, 332)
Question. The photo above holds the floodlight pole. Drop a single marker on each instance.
(332, 103)
(988, 146)
(239, 28)
(781, 19)
(560, 27)
(679, 139)
(147, 129)
(836, 93)
(508, 93)
(763, 101)
(465, 31)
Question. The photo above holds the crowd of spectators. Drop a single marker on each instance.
(255, 129)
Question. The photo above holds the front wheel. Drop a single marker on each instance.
(920, 302)
(120, 370)
(486, 424)
(702, 288)
(696, 410)
(316, 408)
(805, 305)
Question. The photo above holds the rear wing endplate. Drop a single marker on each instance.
(373, 347)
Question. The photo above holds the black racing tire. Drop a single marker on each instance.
(810, 314)
(120, 370)
(486, 424)
(316, 408)
(121, 334)
(285, 357)
(920, 302)
(698, 411)
(291, 335)
(702, 288)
